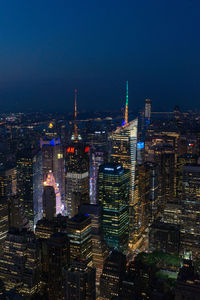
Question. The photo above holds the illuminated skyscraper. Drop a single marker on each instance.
(45, 228)
(190, 228)
(99, 247)
(98, 143)
(76, 171)
(48, 160)
(25, 185)
(124, 146)
(76, 177)
(19, 263)
(53, 161)
(142, 200)
(3, 220)
(37, 187)
(5, 193)
(79, 231)
(181, 161)
(113, 185)
(145, 121)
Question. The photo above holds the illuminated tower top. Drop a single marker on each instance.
(126, 107)
(75, 118)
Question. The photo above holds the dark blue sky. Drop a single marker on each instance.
(48, 48)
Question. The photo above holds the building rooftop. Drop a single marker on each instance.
(79, 218)
(111, 168)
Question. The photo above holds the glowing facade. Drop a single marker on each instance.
(79, 232)
(190, 230)
(113, 185)
(19, 263)
(124, 146)
(50, 181)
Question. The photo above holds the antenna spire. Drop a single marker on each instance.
(126, 107)
(75, 118)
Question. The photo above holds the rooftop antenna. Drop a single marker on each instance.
(126, 107)
(75, 118)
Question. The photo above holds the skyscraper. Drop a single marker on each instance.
(76, 177)
(79, 281)
(142, 200)
(124, 146)
(3, 220)
(19, 263)
(48, 159)
(50, 181)
(49, 202)
(79, 231)
(112, 275)
(99, 247)
(53, 161)
(147, 110)
(58, 257)
(190, 229)
(76, 171)
(25, 184)
(98, 144)
(37, 187)
(181, 161)
(113, 190)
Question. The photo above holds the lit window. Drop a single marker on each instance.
(60, 155)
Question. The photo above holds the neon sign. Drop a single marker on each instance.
(87, 149)
(70, 150)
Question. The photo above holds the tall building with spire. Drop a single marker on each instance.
(76, 171)
(123, 151)
(124, 146)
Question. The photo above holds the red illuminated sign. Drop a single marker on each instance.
(70, 150)
(87, 149)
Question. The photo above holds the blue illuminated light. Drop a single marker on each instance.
(140, 145)
(123, 123)
(108, 169)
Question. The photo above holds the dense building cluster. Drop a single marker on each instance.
(100, 210)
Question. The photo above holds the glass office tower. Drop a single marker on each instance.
(113, 187)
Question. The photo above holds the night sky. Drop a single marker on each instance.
(49, 48)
